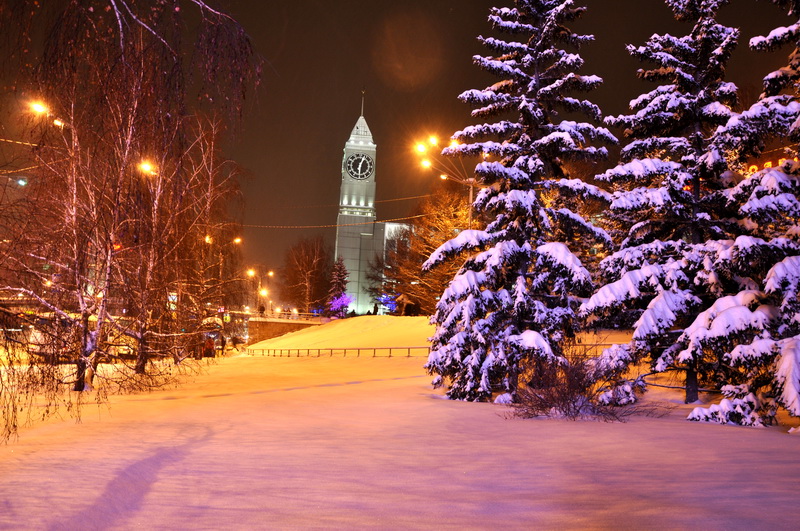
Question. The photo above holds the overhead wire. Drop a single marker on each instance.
(293, 207)
(334, 225)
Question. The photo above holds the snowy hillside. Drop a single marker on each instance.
(386, 331)
(366, 331)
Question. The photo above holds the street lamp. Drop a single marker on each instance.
(256, 274)
(39, 108)
(146, 167)
(469, 181)
(447, 168)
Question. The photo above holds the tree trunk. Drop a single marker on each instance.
(691, 385)
(80, 378)
(141, 356)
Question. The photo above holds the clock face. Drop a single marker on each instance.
(359, 166)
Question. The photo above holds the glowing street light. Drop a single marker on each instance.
(446, 167)
(147, 167)
(39, 108)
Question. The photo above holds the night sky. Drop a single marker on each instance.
(413, 58)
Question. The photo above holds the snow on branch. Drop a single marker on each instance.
(466, 239)
(627, 288)
(662, 312)
(641, 169)
(559, 253)
(658, 199)
(532, 341)
(577, 188)
(784, 278)
(728, 316)
(776, 38)
(787, 375)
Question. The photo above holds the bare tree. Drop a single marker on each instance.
(399, 275)
(305, 274)
(119, 244)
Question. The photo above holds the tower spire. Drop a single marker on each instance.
(363, 92)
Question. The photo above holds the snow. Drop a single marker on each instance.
(286, 443)
(788, 374)
(532, 340)
(559, 253)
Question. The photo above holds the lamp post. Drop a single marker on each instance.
(448, 169)
(261, 290)
(469, 181)
(221, 253)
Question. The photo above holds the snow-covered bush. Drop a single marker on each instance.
(576, 387)
(740, 411)
(513, 302)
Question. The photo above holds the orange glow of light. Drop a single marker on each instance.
(271, 273)
(421, 148)
(146, 167)
(237, 240)
(753, 168)
(263, 292)
(58, 123)
(426, 163)
(209, 239)
(39, 108)
(443, 177)
(251, 273)
(432, 140)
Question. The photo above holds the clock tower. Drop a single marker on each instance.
(358, 237)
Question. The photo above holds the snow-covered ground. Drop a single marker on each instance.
(277, 443)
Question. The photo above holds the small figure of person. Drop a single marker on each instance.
(208, 348)
(222, 343)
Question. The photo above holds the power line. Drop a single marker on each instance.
(9, 172)
(298, 207)
(332, 226)
(18, 142)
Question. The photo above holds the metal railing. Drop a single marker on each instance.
(368, 352)
(584, 350)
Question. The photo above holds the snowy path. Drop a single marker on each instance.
(276, 443)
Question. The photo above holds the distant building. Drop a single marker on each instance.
(359, 238)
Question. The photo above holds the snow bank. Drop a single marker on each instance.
(365, 331)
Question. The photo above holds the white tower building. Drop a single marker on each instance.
(359, 239)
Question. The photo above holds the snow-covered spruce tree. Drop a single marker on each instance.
(764, 356)
(510, 307)
(338, 299)
(686, 264)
